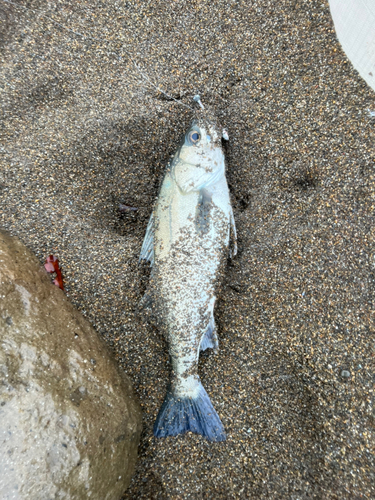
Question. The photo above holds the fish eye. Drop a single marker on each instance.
(194, 136)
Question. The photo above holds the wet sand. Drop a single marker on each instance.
(83, 131)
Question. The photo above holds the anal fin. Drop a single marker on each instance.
(210, 339)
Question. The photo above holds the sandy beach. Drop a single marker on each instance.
(83, 130)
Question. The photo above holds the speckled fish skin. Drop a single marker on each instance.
(187, 242)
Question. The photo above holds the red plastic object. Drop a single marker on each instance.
(52, 266)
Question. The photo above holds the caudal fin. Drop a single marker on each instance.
(179, 415)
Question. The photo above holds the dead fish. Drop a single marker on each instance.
(187, 243)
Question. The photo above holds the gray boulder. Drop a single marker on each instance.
(69, 422)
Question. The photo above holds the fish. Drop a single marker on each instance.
(191, 232)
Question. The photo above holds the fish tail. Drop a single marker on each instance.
(183, 414)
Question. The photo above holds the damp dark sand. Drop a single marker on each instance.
(82, 131)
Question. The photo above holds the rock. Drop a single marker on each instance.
(69, 422)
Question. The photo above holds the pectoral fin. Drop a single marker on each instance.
(147, 250)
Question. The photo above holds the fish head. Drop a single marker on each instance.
(199, 161)
(205, 132)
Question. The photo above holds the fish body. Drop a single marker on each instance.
(187, 243)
